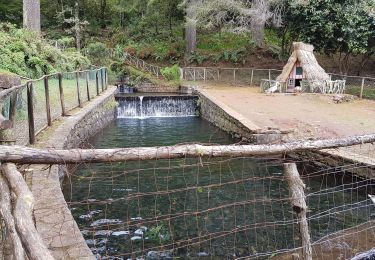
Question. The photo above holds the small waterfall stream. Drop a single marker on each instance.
(156, 106)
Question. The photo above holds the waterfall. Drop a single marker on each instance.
(156, 106)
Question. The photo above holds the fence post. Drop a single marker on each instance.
(48, 104)
(218, 74)
(362, 87)
(297, 186)
(195, 79)
(61, 90)
(13, 107)
(252, 77)
(78, 90)
(234, 76)
(30, 112)
(102, 79)
(269, 74)
(106, 78)
(97, 82)
(204, 74)
(88, 86)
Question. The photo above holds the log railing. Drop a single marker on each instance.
(31, 107)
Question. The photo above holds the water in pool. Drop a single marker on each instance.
(196, 208)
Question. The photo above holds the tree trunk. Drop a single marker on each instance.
(77, 27)
(103, 6)
(31, 15)
(191, 29)
(25, 155)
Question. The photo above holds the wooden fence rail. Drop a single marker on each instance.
(24, 155)
(35, 126)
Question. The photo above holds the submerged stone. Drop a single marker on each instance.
(120, 233)
(105, 222)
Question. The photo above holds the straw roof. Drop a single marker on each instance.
(304, 53)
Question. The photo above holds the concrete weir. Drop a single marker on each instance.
(53, 218)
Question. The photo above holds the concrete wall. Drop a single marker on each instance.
(152, 88)
(232, 122)
(53, 218)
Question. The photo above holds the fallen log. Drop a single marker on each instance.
(25, 155)
(22, 213)
(6, 212)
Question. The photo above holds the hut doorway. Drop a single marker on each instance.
(298, 83)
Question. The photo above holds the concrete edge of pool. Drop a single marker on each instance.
(53, 218)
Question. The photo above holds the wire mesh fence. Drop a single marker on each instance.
(33, 105)
(220, 208)
(236, 76)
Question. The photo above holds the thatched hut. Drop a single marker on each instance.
(302, 65)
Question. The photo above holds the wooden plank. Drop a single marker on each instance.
(30, 111)
(61, 90)
(24, 155)
(48, 103)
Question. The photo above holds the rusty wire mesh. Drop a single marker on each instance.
(226, 208)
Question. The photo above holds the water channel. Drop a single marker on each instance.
(197, 208)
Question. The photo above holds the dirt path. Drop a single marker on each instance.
(310, 116)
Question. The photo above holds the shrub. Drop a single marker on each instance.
(97, 52)
(26, 54)
(171, 73)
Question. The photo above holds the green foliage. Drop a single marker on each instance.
(25, 53)
(171, 73)
(97, 52)
(158, 234)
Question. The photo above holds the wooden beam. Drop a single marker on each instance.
(25, 155)
(30, 238)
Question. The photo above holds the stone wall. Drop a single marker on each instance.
(152, 88)
(53, 218)
(232, 122)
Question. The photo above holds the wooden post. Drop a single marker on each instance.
(362, 87)
(297, 186)
(234, 76)
(88, 86)
(102, 79)
(106, 78)
(61, 90)
(48, 104)
(78, 90)
(204, 74)
(97, 82)
(269, 74)
(218, 74)
(194, 74)
(252, 77)
(13, 107)
(30, 112)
